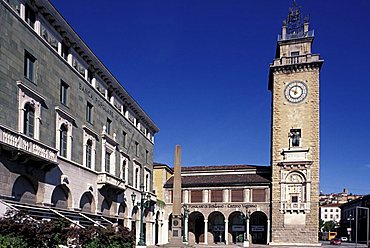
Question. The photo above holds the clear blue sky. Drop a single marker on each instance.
(199, 68)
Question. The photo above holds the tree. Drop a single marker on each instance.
(329, 226)
(321, 224)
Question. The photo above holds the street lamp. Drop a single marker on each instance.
(185, 216)
(350, 218)
(246, 219)
(143, 205)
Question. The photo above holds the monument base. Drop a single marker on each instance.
(176, 245)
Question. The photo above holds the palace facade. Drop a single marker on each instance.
(73, 142)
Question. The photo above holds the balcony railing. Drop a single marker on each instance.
(298, 35)
(308, 58)
(17, 141)
(108, 180)
(295, 206)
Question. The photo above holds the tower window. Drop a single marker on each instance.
(294, 54)
(294, 199)
(295, 136)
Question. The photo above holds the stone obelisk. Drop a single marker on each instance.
(175, 239)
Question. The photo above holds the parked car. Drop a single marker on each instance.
(335, 241)
(344, 239)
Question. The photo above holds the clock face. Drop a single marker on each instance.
(296, 91)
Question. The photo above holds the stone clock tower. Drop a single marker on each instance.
(294, 82)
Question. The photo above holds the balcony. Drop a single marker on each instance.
(298, 35)
(302, 59)
(295, 206)
(108, 180)
(26, 147)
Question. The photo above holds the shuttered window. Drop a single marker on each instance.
(196, 196)
(258, 195)
(237, 195)
(170, 196)
(216, 195)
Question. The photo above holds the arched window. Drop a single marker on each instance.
(29, 120)
(88, 153)
(63, 141)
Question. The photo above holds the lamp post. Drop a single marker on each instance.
(246, 219)
(143, 205)
(350, 218)
(185, 217)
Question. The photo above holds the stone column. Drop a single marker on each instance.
(246, 240)
(186, 230)
(226, 231)
(205, 195)
(246, 195)
(186, 196)
(205, 231)
(268, 231)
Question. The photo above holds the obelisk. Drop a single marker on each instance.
(175, 239)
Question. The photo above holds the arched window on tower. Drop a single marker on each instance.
(29, 120)
(63, 141)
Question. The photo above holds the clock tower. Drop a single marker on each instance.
(294, 81)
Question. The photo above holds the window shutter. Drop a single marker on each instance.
(196, 196)
(258, 195)
(237, 195)
(216, 196)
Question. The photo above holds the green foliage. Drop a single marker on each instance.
(17, 230)
(329, 226)
(12, 242)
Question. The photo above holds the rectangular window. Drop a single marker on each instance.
(136, 148)
(89, 76)
(170, 196)
(29, 66)
(258, 195)
(107, 162)
(124, 134)
(146, 156)
(89, 109)
(237, 195)
(65, 51)
(124, 109)
(294, 199)
(64, 93)
(216, 195)
(88, 153)
(110, 94)
(325, 216)
(196, 196)
(30, 16)
(294, 54)
(109, 124)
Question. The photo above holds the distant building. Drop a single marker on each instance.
(330, 212)
(337, 198)
(349, 216)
